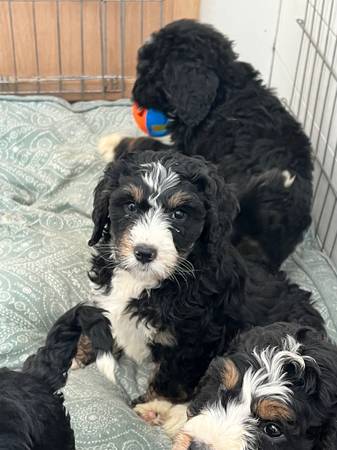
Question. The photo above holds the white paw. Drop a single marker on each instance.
(288, 179)
(107, 146)
(154, 412)
(163, 413)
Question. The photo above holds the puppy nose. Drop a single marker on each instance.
(145, 253)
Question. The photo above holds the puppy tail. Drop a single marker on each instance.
(52, 361)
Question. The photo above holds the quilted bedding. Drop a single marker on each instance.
(48, 170)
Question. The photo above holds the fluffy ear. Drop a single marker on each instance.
(222, 207)
(191, 89)
(100, 214)
(324, 354)
(328, 438)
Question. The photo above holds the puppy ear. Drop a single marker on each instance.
(324, 354)
(222, 207)
(191, 89)
(328, 438)
(100, 214)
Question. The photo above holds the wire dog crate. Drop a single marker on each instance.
(78, 49)
(313, 100)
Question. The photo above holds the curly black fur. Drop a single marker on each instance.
(312, 396)
(32, 415)
(228, 292)
(221, 110)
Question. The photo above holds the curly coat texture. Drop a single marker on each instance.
(220, 109)
(228, 293)
(32, 414)
(287, 374)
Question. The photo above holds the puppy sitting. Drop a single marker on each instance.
(274, 389)
(220, 109)
(32, 414)
(174, 287)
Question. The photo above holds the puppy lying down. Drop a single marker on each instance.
(275, 388)
(32, 414)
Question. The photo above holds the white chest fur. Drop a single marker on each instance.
(130, 335)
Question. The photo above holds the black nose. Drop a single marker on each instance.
(144, 253)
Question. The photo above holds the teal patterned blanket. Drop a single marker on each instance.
(48, 170)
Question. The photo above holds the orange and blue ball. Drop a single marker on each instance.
(150, 121)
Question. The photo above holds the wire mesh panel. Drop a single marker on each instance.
(313, 100)
(78, 48)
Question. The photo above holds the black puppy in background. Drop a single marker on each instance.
(32, 414)
(220, 109)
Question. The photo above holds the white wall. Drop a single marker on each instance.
(250, 23)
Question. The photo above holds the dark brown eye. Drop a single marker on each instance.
(178, 215)
(272, 430)
(130, 207)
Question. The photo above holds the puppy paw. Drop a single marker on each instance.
(163, 413)
(107, 146)
(155, 412)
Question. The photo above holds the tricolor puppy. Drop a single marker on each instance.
(274, 389)
(174, 287)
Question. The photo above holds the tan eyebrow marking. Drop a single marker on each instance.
(230, 375)
(136, 192)
(269, 409)
(178, 198)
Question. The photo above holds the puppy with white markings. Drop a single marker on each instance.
(174, 287)
(274, 389)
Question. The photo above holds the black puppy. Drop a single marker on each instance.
(174, 286)
(220, 109)
(274, 389)
(32, 414)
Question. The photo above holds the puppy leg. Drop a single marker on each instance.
(115, 146)
(106, 364)
(107, 146)
(163, 413)
(274, 212)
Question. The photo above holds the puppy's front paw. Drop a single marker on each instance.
(163, 413)
(107, 146)
(155, 412)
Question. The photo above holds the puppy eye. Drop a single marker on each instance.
(130, 207)
(178, 215)
(272, 430)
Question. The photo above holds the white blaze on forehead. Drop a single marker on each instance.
(159, 179)
(232, 427)
(271, 372)
(153, 229)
